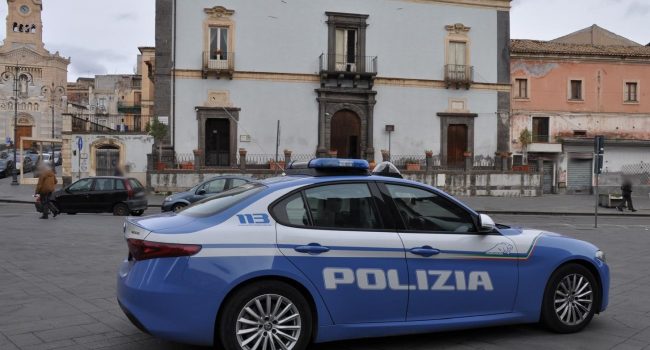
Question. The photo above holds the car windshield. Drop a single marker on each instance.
(224, 200)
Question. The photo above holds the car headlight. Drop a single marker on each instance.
(600, 255)
(168, 199)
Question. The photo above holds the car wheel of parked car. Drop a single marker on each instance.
(121, 209)
(571, 298)
(137, 213)
(178, 207)
(71, 213)
(266, 315)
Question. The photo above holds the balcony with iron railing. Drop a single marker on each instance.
(347, 71)
(459, 75)
(218, 64)
(110, 124)
(129, 107)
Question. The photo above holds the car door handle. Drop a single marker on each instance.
(313, 248)
(425, 251)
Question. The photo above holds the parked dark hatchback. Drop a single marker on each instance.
(118, 195)
(6, 167)
(216, 185)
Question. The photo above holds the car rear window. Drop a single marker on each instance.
(222, 201)
(135, 184)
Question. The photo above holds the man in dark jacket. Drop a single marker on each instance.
(626, 188)
(45, 187)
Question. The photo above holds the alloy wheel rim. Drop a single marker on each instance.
(573, 299)
(268, 322)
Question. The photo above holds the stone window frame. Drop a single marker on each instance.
(219, 16)
(205, 113)
(515, 89)
(458, 33)
(570, 92)
(638, 92)
(447, 119)
(337, 20)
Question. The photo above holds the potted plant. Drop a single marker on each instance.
(412, 164)
(525, 138)
(158, 131)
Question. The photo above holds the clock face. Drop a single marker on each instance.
(24, 9)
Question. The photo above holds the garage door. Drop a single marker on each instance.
(579, 176)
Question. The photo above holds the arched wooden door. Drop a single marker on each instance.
(346, 134)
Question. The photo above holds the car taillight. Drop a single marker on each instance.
(143, 250)
(129, 190)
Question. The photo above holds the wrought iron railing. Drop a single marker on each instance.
(541, 139)
(104, 123)
(337, 63)
(459, 74)
(219, 61)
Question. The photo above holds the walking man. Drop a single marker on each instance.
(626, 188)
(46, 185)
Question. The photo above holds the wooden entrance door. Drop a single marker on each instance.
(23, 131)
(457, 143)
(346, 135)
(217, 142)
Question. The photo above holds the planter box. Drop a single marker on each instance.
(187, 166)
(413, 167)
(277, 166)
(160, 166)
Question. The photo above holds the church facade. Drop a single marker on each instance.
(31, 79)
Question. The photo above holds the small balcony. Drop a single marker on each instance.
(129, 108)
(344, 70)
(221, 64)
(459, 76)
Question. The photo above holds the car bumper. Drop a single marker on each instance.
(166, 206)
(137, 204)
(157, 300)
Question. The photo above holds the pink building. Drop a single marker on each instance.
(568, 90)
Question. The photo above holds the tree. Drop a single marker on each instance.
(525, 138)
(159, 131)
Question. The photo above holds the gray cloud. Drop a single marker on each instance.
(90, 61)
(126, 17)
(637, 8)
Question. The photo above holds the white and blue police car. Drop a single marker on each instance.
(332, 252)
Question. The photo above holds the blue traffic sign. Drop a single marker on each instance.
(80, 143)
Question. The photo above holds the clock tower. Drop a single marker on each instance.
(24, 24)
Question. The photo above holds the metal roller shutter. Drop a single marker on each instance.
(579, 175)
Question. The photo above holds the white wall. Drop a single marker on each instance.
(408, 37)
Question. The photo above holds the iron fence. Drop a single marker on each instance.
(104, 123)
(339, 63)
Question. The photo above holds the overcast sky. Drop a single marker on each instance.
(102, 37)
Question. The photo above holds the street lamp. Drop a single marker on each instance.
(54, 92)
(6, 76)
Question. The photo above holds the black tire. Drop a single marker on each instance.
(234, 307)
(71, 213)
(580, 300)
(121, 209)
(178, 207)
(137, 213)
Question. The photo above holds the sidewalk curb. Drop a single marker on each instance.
(489, 212)
(16, 201)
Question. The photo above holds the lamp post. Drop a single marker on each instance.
(9, 73)
(54, 93)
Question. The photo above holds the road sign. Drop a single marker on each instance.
(80, 143)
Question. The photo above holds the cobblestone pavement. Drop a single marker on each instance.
(57, 289)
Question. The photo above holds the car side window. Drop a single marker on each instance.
(81, 185)
(238, 182)
(291, 211)
(428, 212)
(345, 206)
(104, 185)
(216, 186)
(119, 185)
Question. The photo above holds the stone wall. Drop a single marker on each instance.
(458, 184)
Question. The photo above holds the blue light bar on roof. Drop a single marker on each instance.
(334, 163)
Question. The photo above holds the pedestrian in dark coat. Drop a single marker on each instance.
(45, 187)
(626, 189)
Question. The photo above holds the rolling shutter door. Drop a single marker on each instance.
(579, 175)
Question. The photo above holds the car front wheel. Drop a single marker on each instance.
(121, 209)
(570, 300)
(266, 315)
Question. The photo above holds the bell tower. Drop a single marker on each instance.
(24, 24)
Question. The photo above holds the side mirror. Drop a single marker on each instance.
(486, 224)
(201, 192)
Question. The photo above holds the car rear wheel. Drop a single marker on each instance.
(570, 300)
(266, 315)
(121, 209)
(178, 207)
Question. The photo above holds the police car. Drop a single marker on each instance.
(332, 252)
